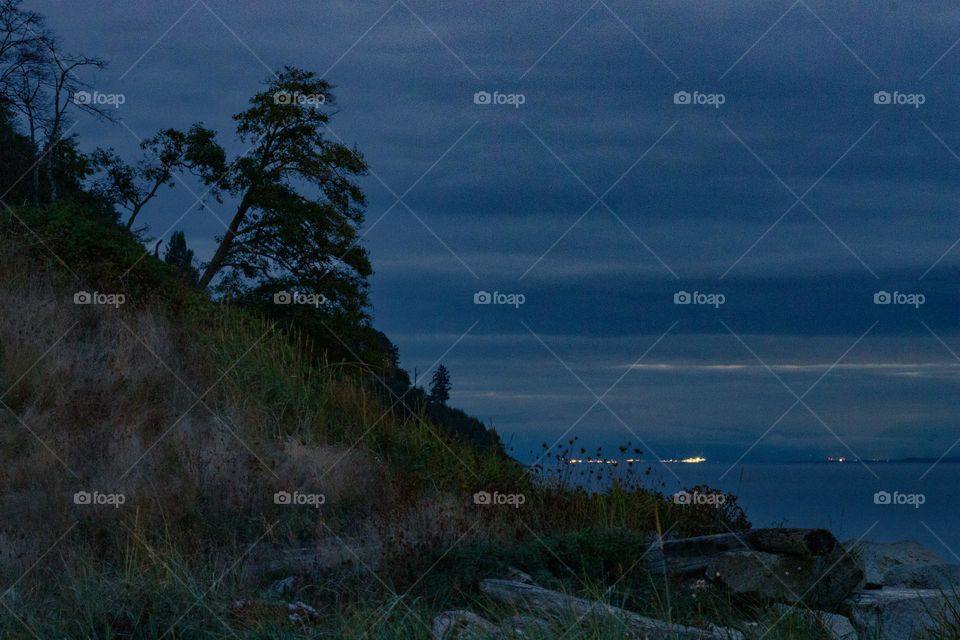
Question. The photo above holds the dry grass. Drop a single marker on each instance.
(198, 419)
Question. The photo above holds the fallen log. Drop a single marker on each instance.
(555, 604)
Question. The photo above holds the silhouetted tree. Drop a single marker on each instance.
(296, 225)
(180, 258)
(40, 84)
(440, 386)
(132, 187)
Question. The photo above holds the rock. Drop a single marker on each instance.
(761, 575)
(899, 614)
(822, 582)
(945, 577)
(527, 627)
(876, 559)
(300, 613)
(690, 556)
(464, 625)
(836, 626)
(542, 601)
(785, 565)
(283, 587)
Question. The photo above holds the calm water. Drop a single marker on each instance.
(839, 497)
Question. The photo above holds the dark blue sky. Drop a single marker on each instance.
(599, 198)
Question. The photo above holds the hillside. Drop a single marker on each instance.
(150, 441)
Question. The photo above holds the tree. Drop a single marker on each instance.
(180, 258)
(440, 386)
(20, 33)
(299, 209)
(40, 84)
(170, 151)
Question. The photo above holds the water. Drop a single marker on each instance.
(838, 497)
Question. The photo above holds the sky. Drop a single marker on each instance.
(778, 165)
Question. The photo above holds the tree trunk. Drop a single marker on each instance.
(224, 249)
(35, 171)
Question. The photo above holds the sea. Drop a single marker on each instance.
(873, 501)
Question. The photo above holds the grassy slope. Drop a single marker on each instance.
(198, 413)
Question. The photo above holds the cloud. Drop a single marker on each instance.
(714, 200)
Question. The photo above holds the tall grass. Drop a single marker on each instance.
(198, 413)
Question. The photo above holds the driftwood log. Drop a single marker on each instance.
(542, 601)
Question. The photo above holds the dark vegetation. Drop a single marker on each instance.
(200, 396)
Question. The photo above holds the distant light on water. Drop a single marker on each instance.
(694, 460)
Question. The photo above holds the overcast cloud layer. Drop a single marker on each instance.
(600, 197)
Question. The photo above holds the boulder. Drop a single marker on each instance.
(283, 587)
(545, 602)
(464, 625)
(690, 555)
(945, 577)
(900, 614)
(834, 625)
(780, 565)
(877, 559)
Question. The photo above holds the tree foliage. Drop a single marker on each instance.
(299, 208)
(440, 386)
(131, 187)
